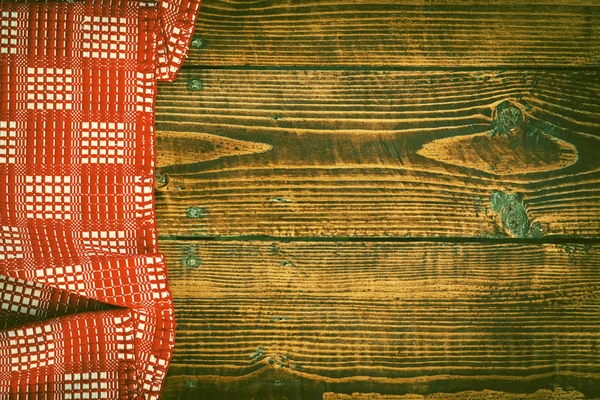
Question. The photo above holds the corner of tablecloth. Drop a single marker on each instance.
(178, 18)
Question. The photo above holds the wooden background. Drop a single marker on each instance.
(384, 200)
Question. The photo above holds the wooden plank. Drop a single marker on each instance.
(380, 154)
(386, 33)
(276, 320)
(557, 393)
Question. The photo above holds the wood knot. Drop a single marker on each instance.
(505, 118)
(160, 180)
(197, 42)
(195, 212)
(258, 354)
(191, 384)
(191, 261)
(513, 214)
(194, 84)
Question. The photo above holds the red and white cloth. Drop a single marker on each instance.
(85, 311)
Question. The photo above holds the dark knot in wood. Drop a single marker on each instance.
(505, 118)
(197, 42)
(194, 84)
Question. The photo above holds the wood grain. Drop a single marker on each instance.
(379, 154)
(556, 393)
(326, 121)
(190, 148)
(504, 155)
(386, 33)
(274, 320)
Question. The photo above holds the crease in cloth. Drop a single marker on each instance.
(85, 308)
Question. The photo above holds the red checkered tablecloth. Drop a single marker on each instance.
(85, 310)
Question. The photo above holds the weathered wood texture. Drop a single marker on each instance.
(342, 119)
(380, 154)
(398, 33)
(262, 320)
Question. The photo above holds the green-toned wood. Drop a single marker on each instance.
(380, 154)
(273, 320)
(385, 33)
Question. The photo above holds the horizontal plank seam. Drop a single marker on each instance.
(266, 238)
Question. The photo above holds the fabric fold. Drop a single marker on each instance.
(84, 299)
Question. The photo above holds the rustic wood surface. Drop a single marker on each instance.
(392, 200)
(283, 318)
(355, 153)
(388, 33)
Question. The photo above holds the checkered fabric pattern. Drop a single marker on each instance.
(85, 310)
